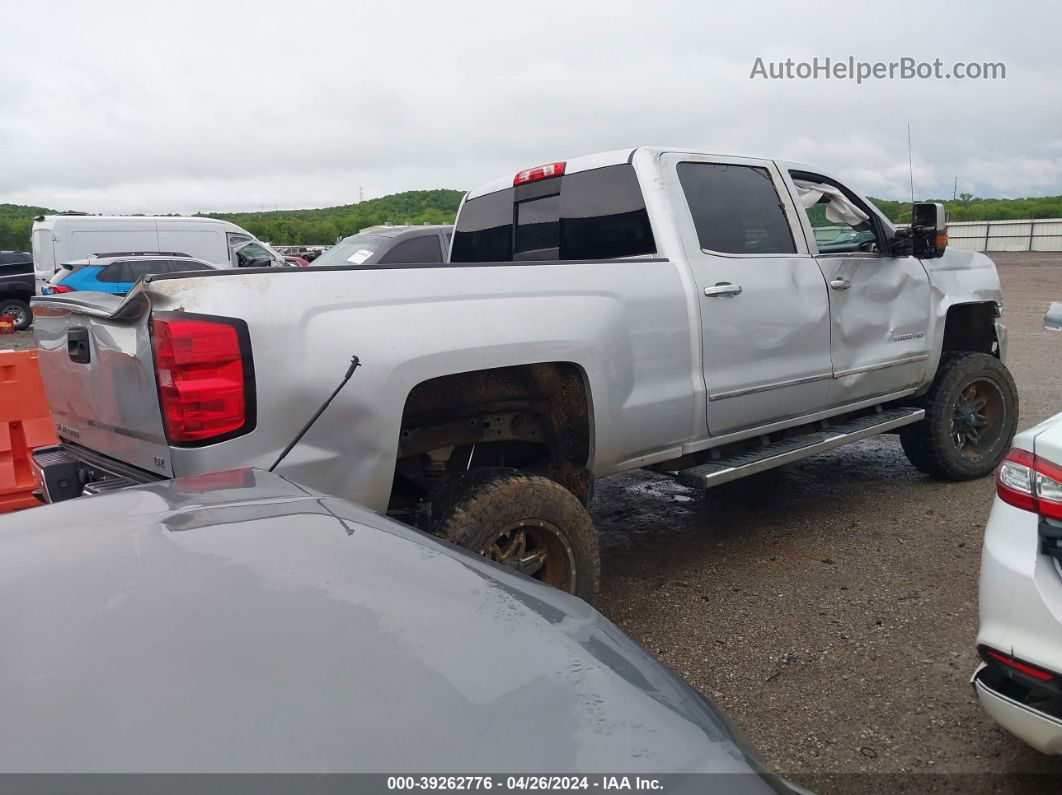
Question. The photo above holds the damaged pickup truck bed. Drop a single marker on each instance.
(707, 315)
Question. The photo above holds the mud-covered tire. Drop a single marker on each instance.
(543, 527)
(18, 310)
(942, 444)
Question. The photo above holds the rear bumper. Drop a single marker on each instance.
(1040, 730)
(68, 470)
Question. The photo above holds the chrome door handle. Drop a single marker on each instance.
(722, 288)
(840, 284)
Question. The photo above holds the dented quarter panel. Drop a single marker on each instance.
(624, 323)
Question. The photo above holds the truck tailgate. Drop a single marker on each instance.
(99, 376)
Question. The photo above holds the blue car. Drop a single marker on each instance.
(117, 273)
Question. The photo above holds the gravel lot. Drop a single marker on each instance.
(830, 607)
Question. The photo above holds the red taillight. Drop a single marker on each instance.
(1019, 666)
(539, 172)
(1031, 483)
(56, 289)
(202, 378)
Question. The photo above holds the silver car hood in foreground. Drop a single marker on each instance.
(239, 622)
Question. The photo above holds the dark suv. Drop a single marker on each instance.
(16, 287)
(390, 245)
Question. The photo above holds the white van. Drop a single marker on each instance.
(64, 238)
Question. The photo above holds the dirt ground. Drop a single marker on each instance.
(19, 341)
(830, 607)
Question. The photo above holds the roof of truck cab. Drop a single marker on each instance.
(599, 160)
(571, 166)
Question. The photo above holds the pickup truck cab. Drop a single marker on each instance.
(650, 307)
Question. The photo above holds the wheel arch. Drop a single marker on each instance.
(972, 327)
(539, 414)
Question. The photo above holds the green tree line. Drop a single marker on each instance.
(286, 227)
(323, 226)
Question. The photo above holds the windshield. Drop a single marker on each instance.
(354, 250)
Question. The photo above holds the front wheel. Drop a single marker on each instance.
(527, 522)
(971, 416)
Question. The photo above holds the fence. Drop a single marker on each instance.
(1030, 235)
(1027, 235)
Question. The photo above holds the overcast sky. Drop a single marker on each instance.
(188, 106)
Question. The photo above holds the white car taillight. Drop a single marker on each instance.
(1031, 483)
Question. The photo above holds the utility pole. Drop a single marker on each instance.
(361, 194)
(955, 190)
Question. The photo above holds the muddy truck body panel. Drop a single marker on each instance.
(700, 300)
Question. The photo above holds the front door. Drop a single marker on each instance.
(879, 304)
(765, 321)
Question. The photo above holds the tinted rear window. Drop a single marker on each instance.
(598, 214)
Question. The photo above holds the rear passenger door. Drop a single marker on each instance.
(765, 321)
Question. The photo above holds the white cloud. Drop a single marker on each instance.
(195, 106)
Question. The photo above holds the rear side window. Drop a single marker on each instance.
(183, 266)
(588, 215)
(112, 273)
(735, 209)
(420, 249)
(131, 270)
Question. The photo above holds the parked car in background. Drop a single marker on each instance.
(390, 245)
(17, 287)
(297, 262)
(308, 253)
(639, 308)
(117, 273)
(1019, 681)
(66, 238)
(262, 626)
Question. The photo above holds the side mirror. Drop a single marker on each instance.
(929, 230)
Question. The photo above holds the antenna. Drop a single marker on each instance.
(355, 362)
(910, 167)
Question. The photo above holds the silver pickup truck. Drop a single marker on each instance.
(700, 314)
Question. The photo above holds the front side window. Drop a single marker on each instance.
(839, 224)
(253, 255)
(236, 239)
(736, 209)
(587, 215)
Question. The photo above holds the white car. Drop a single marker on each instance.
(1019, 682)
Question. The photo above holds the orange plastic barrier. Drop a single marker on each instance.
(24, 424)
